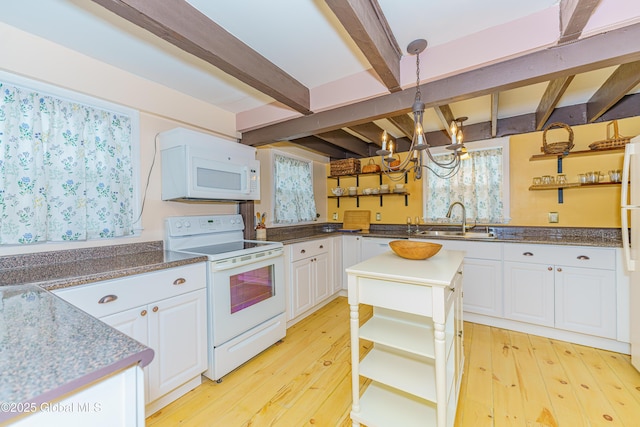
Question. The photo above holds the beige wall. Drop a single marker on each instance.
(160, 109)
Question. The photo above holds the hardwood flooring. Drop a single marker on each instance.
(510, 379)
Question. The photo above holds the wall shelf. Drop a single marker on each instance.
(381, 196)
(577, 153)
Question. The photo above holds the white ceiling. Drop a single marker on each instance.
(302, 37)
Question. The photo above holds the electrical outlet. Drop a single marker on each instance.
(554, 217)
(378, 216)
(335, 216)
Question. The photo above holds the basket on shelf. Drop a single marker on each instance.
(561, 147)
(370, 167)
(612, 141)
(345, 167)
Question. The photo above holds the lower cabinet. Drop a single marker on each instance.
(351, 254)
(166, 311)
(310, 275)
(569, 288)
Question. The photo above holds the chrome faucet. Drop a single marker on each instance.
(464, 215)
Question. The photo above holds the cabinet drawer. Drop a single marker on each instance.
(311, 248)
(574, 256)
(133, 291)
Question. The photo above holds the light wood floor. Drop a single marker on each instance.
(511, 379)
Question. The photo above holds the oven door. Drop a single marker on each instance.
(245, 293)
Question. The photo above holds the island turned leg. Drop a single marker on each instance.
(441, 373)
(354, 324)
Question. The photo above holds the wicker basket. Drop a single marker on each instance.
(562, 147)
(345, 167)
(613, 141)
(370, 167)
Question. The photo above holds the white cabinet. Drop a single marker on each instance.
(571, 288)
(372, 246)
(351, 246)
(483, 290)
(415, 364)
(310, 277)
(165, 310)
(336, 244)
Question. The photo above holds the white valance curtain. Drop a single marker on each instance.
(294, 201)
(478, 185)
(65, 169)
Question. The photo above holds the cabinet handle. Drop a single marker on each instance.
(321, 246)
(583, 257)
(559, 270)
(107, 298)
(155, 309)
(180, 281)
(303, 251)
(527, 254)
(550, 268)
(460, 334)
(143, 313)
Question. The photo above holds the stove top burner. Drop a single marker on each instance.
(222, 248)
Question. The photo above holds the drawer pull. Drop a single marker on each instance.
(180, 281)
(321, 246)
(107, 298)
(527, 254)
(143, 313)
(583, 257)
(559, 270)
(303, 251)
(155, 309)
(550, 268)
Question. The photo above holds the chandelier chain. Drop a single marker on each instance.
(418, 94)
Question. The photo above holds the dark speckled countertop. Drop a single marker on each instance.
(37, 328)
(571, 236)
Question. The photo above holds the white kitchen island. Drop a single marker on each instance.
(416, 361)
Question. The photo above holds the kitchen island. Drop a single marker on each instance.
(415, 364)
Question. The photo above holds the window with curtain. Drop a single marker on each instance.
(66, 169)
(293, 190)
(481, 185)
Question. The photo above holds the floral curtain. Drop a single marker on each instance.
(478, 185)
(294, 200)
(65, 170)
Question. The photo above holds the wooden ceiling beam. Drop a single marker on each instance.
(550, 98)
(370, 131)
(445, 115)
(346, 141)
(369, 29)
(574, 15)
(182, 25)
(587, 54)
(323, 147)
(623, 79)
(404, 123)
(495, 96)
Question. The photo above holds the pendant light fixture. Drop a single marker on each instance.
(398, 169)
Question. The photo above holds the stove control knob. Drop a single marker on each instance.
(187, 224)
(178, 224)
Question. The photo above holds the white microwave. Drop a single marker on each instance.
(197, 167)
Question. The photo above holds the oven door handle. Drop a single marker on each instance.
(227, 264)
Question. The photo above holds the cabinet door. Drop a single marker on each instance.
(301, 287)
(177, 333)
(322, 276)
(350, 255)
(586, 300)
(483, 286)
(529, 293)
(337, 264)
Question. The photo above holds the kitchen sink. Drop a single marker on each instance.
(457, 234)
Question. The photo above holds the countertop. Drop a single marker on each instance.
(568, 236)
(48, 347)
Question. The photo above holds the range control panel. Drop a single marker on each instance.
(203, 224)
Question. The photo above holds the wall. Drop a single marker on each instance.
(583, 207)
(160, 109)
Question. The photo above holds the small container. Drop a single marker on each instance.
(261, 234)
(547, 179)
(353, 191)
(561, 179)
(582, 178)
(537, 180)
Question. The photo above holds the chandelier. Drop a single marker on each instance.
(397, 169)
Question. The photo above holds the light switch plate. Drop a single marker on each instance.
(378, 216)
(553, 217)
(335, 216)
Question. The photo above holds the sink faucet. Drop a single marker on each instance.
(464, 215)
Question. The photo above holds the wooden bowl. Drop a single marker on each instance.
(414, 250)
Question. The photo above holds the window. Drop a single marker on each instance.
(66, 165)
(293, 190)
(481, 185)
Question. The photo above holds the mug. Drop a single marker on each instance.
(561, 179)
(537, 180)
(547, 179)
(353, 191)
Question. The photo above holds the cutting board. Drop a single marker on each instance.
(357, 220)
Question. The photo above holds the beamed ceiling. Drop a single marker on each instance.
(353, 129)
